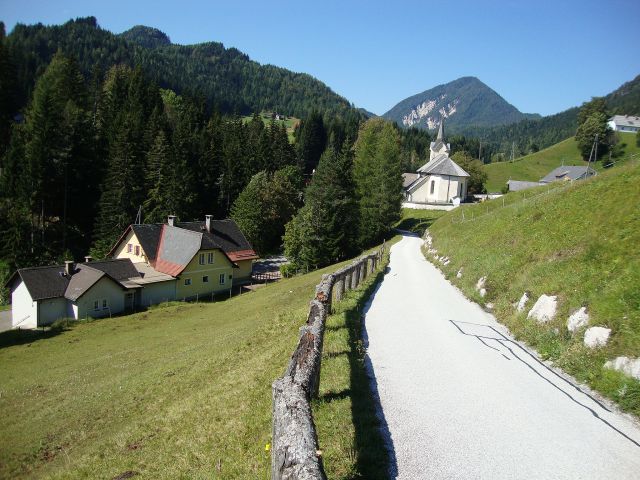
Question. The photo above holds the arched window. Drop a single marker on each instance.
(433, 186)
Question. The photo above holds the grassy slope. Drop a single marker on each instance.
(535, 166)
(290, 123)
(579, 242)
(167, 393)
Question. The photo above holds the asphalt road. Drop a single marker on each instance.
(461, 399)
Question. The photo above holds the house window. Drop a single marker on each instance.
(104, 304)
(201, 259)
(222, 279)
(129, 248)
(205, 279)
(210, 258)
(433, 186)
(96, 305)
(138, 250)
(187, 281)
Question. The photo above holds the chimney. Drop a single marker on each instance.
(88, 258)
(171, 219)
(68, 268)
(207, 222)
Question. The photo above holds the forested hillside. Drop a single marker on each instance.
(227, 78)
(529, 136)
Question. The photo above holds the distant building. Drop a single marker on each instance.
(439, 181)
(517, 185)
(567, 173)
(624, 123)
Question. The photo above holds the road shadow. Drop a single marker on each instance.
(487, 334)
(374, 449)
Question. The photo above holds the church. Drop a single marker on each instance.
(439, 181)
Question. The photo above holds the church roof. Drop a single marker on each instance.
(441, 131)
(443, 165)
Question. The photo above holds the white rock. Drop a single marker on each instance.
(489, 306)
(459, 274)
(544, 309)
(446, 262)
(523, 302)
(578, 319)
(630, 366)
(595, 337)
(483, 292)
(480, 283)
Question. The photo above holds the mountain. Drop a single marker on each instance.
(225, 77)
(463, 102)
(528, 135)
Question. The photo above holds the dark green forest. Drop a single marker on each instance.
(91, 142)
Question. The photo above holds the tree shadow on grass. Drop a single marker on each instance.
(11, 338)
(415, 225)
(374, 450)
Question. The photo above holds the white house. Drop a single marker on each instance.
(441, 180)
(624, 123)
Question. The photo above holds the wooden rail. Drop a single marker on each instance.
(295, 452)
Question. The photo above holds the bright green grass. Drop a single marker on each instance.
(535, 166)
(579, 242)
(417, 221)
(182, 391)
(290, 123)
(345, 412)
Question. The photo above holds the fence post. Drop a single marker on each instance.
(340, 287)
(365, 264)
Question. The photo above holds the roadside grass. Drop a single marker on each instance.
(178, 391)
(536, 165)
(578, 242)
(349, 430)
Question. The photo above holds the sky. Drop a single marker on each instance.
(541, 56)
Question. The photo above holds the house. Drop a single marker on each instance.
(201, 258)
(624, 123)
(517, 185)
(150, 264)
(568, 173)
(42, 295)
(439, 181)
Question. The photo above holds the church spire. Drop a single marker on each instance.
(441, 130)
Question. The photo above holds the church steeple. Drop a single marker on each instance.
(441, 130)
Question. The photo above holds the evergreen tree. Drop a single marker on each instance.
(595, 124)
(476, 170)
(311, 142)
(378, 179)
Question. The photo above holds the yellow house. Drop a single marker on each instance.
(194, 258)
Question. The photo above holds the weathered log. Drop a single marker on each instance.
(294, 451)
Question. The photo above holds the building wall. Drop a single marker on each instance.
(51, 309)
(244, 272)
(123, 250)
(445, 189)
(104, 289)
(195, 273)
(24, 311)
(160, 292)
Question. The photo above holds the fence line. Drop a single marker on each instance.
(295, 450)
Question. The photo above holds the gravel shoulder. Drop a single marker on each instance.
(461, 399)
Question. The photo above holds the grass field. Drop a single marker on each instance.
(578, 242)
(180, 391)
(290, 123)
(535, 166)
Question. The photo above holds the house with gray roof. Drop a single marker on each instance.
(42, 295)
(440, 180)
(624, 123)
(568, 173)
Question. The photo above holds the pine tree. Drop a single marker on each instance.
(311, 142)
(378, 179)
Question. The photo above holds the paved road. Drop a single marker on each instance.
(462, 399)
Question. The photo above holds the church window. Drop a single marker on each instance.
(433, 186)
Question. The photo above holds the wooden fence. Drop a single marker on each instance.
(295, 452)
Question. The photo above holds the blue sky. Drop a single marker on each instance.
(541, 56)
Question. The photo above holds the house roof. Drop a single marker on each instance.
(568, 172)
(443, 165)
(176, 249)
(626, 120)
(51, 281)
(148, 235)
(408, 179)
(148, 274)
(517, 185)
